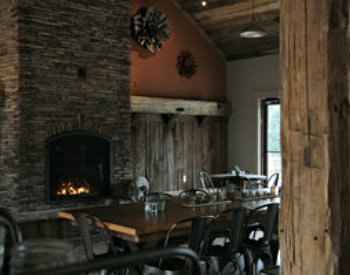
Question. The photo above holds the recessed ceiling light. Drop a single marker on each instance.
(204, 3)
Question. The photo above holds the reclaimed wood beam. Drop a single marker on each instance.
(196, 6)
(271, 17)
(156, 105)
(205, 36)
(314, 219)
(235, 11)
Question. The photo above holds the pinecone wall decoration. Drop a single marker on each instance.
(150, 29)
(186, 64)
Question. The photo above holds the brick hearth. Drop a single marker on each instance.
(60, 72)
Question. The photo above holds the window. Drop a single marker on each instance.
(271, 137)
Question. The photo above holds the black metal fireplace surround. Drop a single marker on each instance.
(78, 167)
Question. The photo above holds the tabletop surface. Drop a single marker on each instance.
(132, 222)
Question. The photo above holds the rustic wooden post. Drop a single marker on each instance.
(315, 211)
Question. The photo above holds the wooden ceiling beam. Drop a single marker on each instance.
(232, 33)
(235, 11)
(243, 55)
(237, 48)
(271, 17)
(199, 28)
(222, 20)
(195, 5)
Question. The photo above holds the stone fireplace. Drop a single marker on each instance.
(78, 167)
(63, 76)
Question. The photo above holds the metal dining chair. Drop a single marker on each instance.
(273, 180)
(229, 227)
(255, 247)
(86, 223)
(122, 262)
(206, 181)
(10, 235)
(176, 265)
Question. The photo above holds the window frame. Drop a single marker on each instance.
(264, 131)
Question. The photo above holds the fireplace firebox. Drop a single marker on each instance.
(79, 167)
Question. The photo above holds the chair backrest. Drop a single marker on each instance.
(132, 259)
(7, 221)
(192, 193)
(238, 220)
(273, 180)
(199, 226)
(205, 180)
(235, 228)
(10, 235)
(268, 218)
(85, 222)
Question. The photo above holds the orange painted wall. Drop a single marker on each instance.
(156, 75)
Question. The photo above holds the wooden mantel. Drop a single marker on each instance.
(157, 105)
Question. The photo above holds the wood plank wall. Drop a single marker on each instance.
(165, 151)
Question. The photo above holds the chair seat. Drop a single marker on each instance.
(169, 266)
(272, 271)
(218, 251)
(103, 255)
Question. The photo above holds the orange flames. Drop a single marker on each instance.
(70, 188)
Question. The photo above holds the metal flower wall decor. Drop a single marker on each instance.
(150, 29)
(186, 64)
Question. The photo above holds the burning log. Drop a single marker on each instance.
(72, 188)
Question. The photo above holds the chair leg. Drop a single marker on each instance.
(253, 268)
(237, 262)
(274, 251)
(267, 259)
(248, 262)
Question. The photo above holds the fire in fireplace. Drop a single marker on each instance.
(72, 188)
(79, 167)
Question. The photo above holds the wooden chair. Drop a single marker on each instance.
(10, 235)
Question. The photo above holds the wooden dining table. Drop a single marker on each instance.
(132, 223)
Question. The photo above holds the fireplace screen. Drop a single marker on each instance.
(79, 167)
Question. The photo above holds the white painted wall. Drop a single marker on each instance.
(248, 81)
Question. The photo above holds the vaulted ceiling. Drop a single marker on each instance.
(222, 20)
